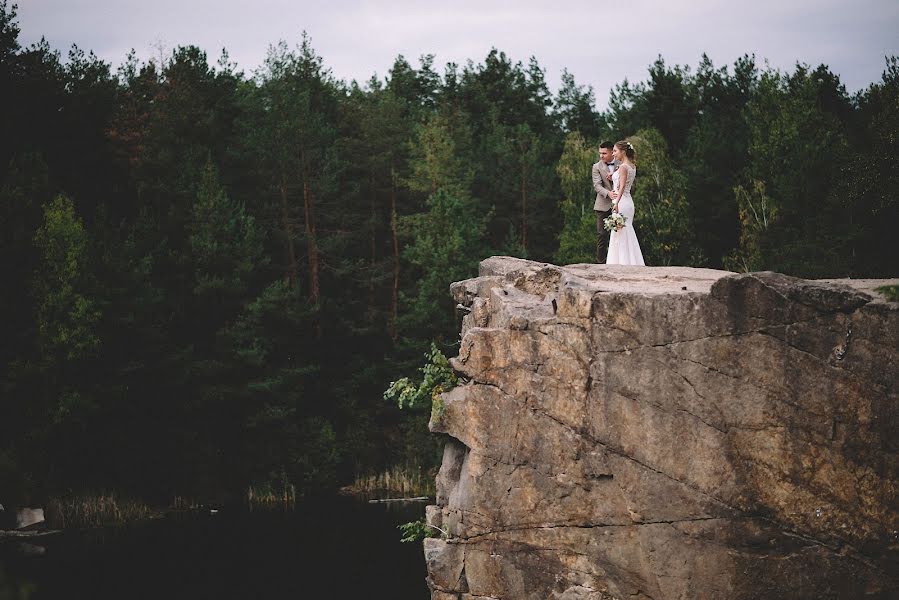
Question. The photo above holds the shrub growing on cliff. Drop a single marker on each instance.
(416, 531)
(890, 291)
(438, 378)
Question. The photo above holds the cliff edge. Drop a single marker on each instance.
(665, 432)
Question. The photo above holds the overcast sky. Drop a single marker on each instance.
(600, 43)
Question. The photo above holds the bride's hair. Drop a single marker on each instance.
(628, 149)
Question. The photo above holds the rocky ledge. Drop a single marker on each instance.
(661, 433)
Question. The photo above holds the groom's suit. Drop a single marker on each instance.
(602, 206)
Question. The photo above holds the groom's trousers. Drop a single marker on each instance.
(602, 236)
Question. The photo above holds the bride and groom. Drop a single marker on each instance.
(613, 177)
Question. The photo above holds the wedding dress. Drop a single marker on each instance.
(624, 249)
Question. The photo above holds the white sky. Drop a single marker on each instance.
(600, 43)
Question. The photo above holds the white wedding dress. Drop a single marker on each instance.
(624, 249)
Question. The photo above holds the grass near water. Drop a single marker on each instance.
(397, 481)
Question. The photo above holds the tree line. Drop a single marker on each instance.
(209, 277)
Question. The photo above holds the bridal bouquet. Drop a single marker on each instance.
(614, 221)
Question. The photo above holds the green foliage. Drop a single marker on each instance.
(576, 108)
(274, 378)
(67, 317)
(438, 408)
(318, 455)
(890, 291)
(513, 147)
(9, 31)
(872, 205)
(663, 216)
(225, 244)
(757, 216)
(712, 159)
(445, 246)
(786, 119)
(416, 531)
(438, 377)
(434, 160)
(577, 240)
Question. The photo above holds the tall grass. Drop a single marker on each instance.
(890, 291)
(397, 481)
(183, 504)
(267, 497)
(94, 510)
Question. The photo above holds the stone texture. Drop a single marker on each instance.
(668, 433)
(20, 518)
(26, 517)
(445, 563)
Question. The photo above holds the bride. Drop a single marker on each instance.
(624, 249)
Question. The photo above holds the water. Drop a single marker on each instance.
(330, 548)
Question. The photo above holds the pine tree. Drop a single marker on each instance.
(663, 216)
(577, 240)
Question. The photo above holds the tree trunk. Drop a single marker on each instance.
(288, 234)
(311, 239)
(394, 298)
(524, 207)
(311, 244)
(374, 246)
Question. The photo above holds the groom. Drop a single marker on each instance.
(602, 183)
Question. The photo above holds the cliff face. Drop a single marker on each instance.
(640, 432)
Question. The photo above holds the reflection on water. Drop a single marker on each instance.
(330, 548)
(13, 589)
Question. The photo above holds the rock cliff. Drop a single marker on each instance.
(661, 433)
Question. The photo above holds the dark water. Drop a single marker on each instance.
(330, 548)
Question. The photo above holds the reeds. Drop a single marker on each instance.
(397, 481)
(267, 497)
(183, 504)
(94, 510)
